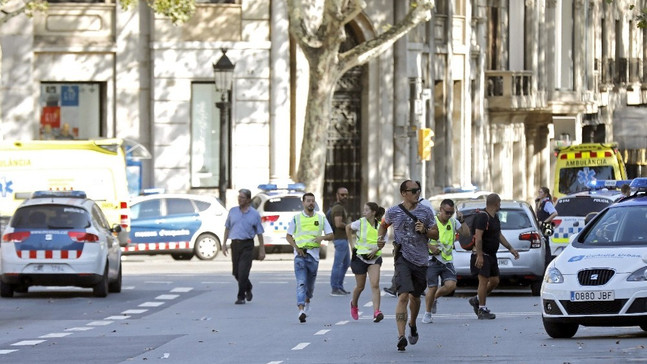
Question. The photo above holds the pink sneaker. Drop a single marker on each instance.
(378, 316)
(354, 312)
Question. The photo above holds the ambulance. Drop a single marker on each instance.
(96, 166)
(578, 166)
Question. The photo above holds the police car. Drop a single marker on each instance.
(182, 225)
(60, 239)
(600, 279)
(573, 209)
(277, 205)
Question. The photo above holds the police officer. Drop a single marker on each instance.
(546, 212)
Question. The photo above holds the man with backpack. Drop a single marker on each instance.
(338, 217)
(484, 263)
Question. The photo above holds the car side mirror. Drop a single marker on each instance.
(116, 228)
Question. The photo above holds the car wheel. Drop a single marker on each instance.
(643, 327)
(323, 252)
(560, 330)
(115, 286)
(6, 290)
(101, 289)
(182, 256)
(535, 288)
(207, 247)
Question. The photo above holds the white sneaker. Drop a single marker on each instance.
(306, 308)
(427, 318)
(302, 316)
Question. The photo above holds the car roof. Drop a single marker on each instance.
(604, 193)
(85, 203)
(280, 193)
(157, 196)
(505, 204)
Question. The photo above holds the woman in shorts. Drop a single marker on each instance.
(367, 257)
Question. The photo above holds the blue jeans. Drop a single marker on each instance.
(305, 270)
(341, 264)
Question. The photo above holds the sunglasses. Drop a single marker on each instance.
(447, 212)
(413, 190)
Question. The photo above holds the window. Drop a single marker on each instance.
(71, 110)
(145, 210)
(205, 136)
(179, 206)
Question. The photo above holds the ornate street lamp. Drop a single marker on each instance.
(223, 72)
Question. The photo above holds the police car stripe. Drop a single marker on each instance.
(49, 254)
(158, 246)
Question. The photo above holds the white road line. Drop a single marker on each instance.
(79, 328)
(3, 352)
(369, 304)
(151, 304)
(301, 346)
(55, 334)
(274, 282)
(99, 323)
(321, 332)
(167, 297)
(134, 312)
(28, 342)
(117, 317)
(158, 282)
(128, 287)
(341, 323)
(275, 362)
(182, 289)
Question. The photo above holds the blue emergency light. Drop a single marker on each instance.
(607, 183)
(639, 184)
(289, 186)
(69, 194)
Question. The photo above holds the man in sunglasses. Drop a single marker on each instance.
(441, 258)
(413, 226)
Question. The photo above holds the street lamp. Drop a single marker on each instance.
(223, 72)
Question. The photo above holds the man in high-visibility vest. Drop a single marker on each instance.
(305, 233)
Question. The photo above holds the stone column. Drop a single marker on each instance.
(401, 99)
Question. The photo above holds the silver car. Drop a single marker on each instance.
(520, 228)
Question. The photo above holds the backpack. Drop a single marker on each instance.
(467, 242)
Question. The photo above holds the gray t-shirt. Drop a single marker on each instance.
(412, 244)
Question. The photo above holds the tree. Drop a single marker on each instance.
(11, 9)
(318, 28)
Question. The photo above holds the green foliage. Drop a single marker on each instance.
(32, 7)
(179, 11)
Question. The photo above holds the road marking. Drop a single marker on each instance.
(99, 323)
(274, 282)
(341, 323)
(167, 297)
(3, 352)
(117, 317)
(128, 287)
(301, 346)
(158, 282)
(79, 328)
(182, 289)
(369, 304)
(151, 304)
(321, 332)
(28, 342)
(275, 362)
(134, 312)
(55, 334)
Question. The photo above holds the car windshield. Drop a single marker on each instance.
(618, 226)
(511, 219)
(580, 206)
(284, 204)
(573, 180)
(50, 217)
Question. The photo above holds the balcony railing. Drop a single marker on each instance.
(511, 90)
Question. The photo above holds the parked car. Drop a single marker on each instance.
(60, 239)
(600, 279)
(572, 210)
(182, 225)
(277, 206)
(519, 226)
(458, 196)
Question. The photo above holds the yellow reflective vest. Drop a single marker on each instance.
(366, 238)
(306, 229)
(446, 237)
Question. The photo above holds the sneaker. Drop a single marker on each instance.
(345, 291)
(354, 312)
(337, 292)
(413, 338)
(434, 306)
(306, 308)
(402, 343)
(426, 319)
(249, 295)
(389, 291)
(302, 316)
(378, 316)
(485, 314)
(474, 302)
(240, 302)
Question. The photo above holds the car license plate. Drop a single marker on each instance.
(587, 296)
(504, 261)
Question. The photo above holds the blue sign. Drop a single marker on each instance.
(69, 95)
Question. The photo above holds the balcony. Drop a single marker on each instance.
(512, 91)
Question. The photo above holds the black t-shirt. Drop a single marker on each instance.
(491, 227)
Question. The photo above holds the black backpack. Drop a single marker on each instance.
(467, 242)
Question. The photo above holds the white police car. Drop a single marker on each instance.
(182, 225)
(573, 209)
(60, 239)
(277, 205)
(600, 279)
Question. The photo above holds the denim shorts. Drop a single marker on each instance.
(445, 271)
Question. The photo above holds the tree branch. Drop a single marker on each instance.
(299, 30)
(355, 7)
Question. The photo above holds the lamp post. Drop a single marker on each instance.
(223, 72)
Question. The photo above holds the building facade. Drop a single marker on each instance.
(500, 82)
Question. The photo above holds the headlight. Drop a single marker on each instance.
(553, 275)
(638, 276)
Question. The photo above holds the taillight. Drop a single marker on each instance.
(270, 218)
(124, 218)
(556, 222)
(533, 237)
(83, 237)
(16, 237)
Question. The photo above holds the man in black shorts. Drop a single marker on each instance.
(413, 226)
(483, 262)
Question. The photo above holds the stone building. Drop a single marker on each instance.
(501, 83)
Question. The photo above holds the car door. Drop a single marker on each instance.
(180, 222)
(113, 249)
(146, 218)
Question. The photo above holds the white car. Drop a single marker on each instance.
(277, 206)
(600, 278)
(182, 225)
(60, 239)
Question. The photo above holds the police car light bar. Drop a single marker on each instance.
(639, 184)
(289, 186)
(607, 183)
(70, 194)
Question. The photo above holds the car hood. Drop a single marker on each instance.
(622, 260)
